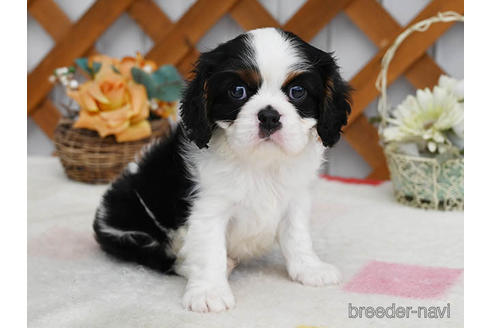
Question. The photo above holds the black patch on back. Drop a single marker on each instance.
(163, 183)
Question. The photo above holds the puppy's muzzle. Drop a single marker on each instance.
(269, 121)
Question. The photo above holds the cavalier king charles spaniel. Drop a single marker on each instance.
(236, 173)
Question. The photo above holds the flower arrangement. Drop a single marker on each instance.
(121, 95)
(423, 139)
(423, 136)
(430, 123)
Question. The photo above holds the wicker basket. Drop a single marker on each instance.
(419, 181)
(89, 158)
(425, 182)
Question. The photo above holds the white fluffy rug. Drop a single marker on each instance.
(71, 283)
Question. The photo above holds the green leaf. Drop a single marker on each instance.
(165, 83)
(170, 83)
(117, 71)
(169, 91)
(166, 74)
(95, 67)
(144, 78)
(83, 63)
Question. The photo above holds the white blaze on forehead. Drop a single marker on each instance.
(275, 56)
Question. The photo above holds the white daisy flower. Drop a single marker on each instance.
(428, 117)
(153, 104)
(452, 85)
(73, 84)
(147, 69)
(61, 71)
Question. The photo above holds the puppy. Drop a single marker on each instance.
(235, 175)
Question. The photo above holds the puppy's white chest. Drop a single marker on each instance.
(253, 225)
(253, 193)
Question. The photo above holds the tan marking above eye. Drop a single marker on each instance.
(291, 76)
(250, 77)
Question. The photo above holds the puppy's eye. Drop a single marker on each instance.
(297, 92)
(237, 92)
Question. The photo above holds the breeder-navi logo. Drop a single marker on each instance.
(399, 312)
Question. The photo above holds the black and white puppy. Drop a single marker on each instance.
(235, 175)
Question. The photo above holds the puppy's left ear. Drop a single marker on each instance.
(193, 109)
(336, 107)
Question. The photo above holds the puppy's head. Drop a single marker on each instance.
(266, 90)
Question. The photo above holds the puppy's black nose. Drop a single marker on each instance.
(269, 121)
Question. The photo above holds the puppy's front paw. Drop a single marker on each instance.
(315, 274)
(208, 298)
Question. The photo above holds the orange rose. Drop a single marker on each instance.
(111, 104)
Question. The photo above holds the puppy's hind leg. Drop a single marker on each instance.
(130, 245)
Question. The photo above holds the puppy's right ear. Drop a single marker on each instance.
(193, 109)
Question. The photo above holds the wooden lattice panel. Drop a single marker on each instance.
(174, 43)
